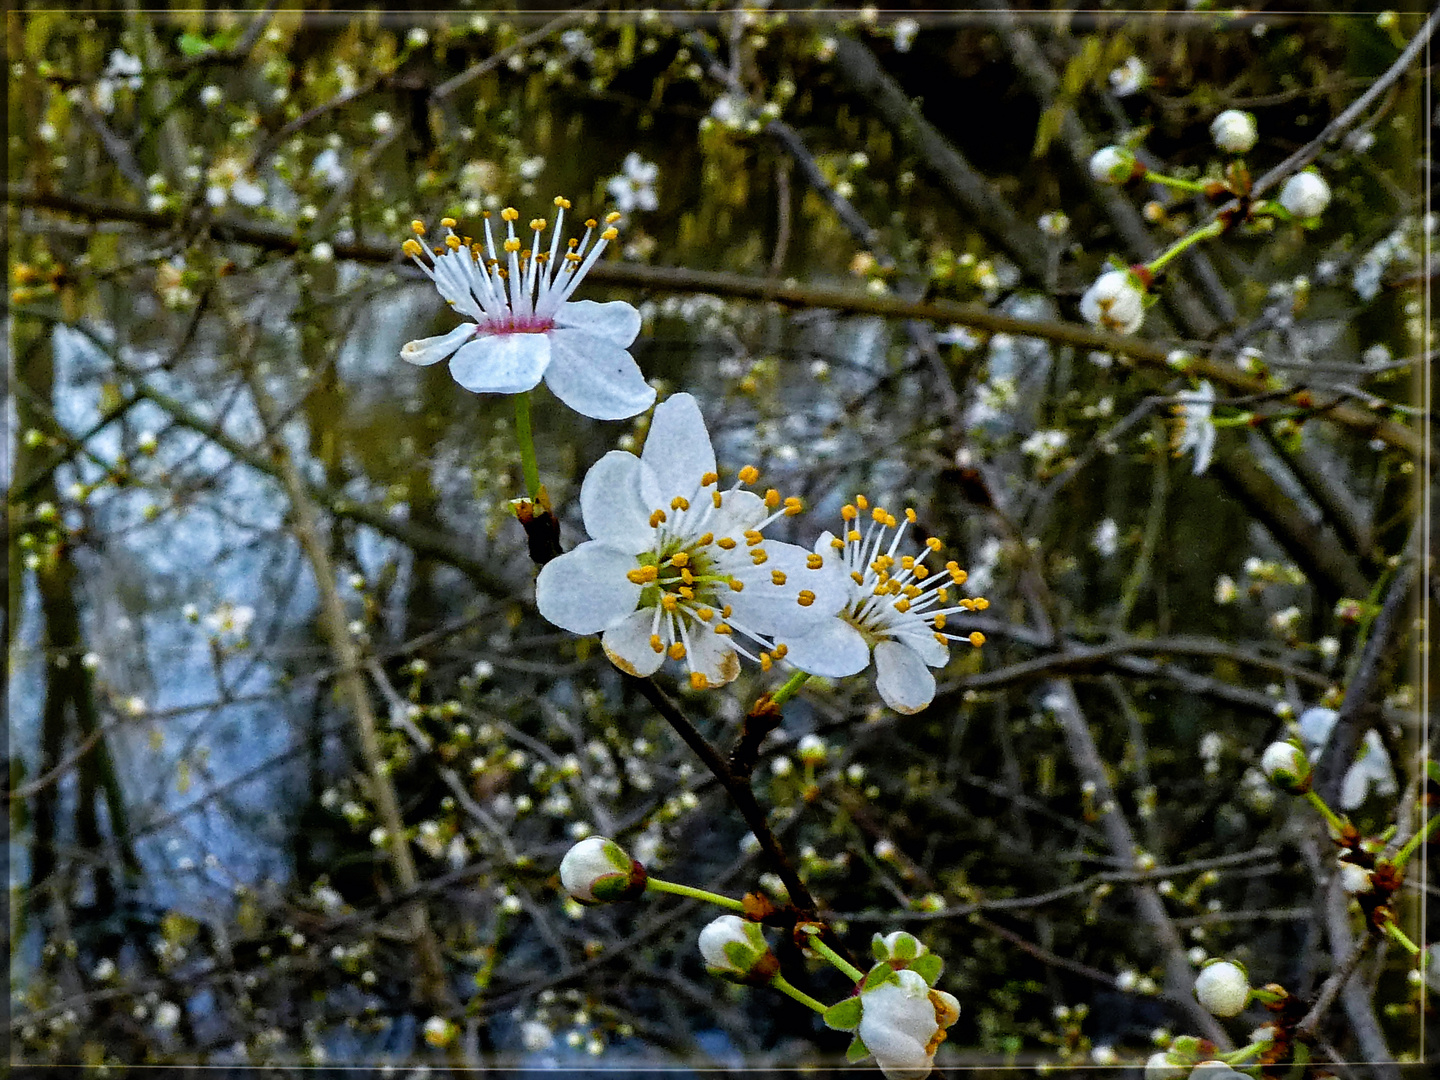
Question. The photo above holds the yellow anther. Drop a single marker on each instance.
(725, 611)
(643, 575)
(805, 598)
(610, 233)
(562, 202)
(793, 506)
(715, 499)
(656, 643)
(862, 502)
(704, 614)
(753, 537)
(765, 661)
(680, 558)
(878, 515)
(709, 478)
(912, 591)
(590, 223)
(707, 539)
(447, 222)
(933, 543)
(943, 595)
(418, 226)
(890, 521)
(956, 574)
(758, 557)
(537, 224)
(922, 572)
(853, 536)
(510, 214)
(940, 621)
(679, 502)
(772, 498)
(814, 562)
(412, 248)
(780, 650)
(907, 561)
(979, 603)
(726, 543)
(966, 605)
(512, 245)
(612, 217)
(749, 474)
(677, 651)
(452, 242)
(942, 639)
(572, 243)
(736, 586)
(902, 605)
(698, 681)
(910, 515)
(669, 601)
(723, 628)
(977, 639)
(686, 577)
(837, 543)
(857, 577)
(777, 577)
(657, 519)
(848, 512)
(687, 593)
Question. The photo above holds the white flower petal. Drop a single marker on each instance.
(431, 350)
(739, 510)
(904, 682)
(616, 322)
(611, 506)
(712, 655)
(678, 447)
(585, 590)
(501, 363)
(774, 610)
(246, 193)
(596, 377)
(628, 644)
(927, 646)
(833, 649)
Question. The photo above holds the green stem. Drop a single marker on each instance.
(656, 885)
(1401, 937)
(1173, 181)
(786, 692)
(779, 983)
(1215, 228)
(1245, 1052)
(1336, 825)
(1421, 835)
(850, 970)
(527, 444)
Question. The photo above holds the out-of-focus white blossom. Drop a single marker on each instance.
(1234, 131)
(1305, 195)
(1116, 301)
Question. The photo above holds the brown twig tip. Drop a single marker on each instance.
(764, 717)
(542, 529)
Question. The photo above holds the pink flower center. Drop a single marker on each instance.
(530, 324)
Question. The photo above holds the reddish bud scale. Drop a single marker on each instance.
(1143, 275)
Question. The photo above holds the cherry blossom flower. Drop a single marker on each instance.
(1115, 301)
(634, 187)
(228, 183)
(523, 325)
(1129, 78)
(903, 1022)
(679, 568)
(895, 608)
(1195, 427)
(1234, 131)
(1305, 195)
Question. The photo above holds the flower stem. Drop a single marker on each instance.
(1336, 825)
(527, 444)
(786, 692)
(779, 983)
(1213, 229)
(657, 885)
(1174, 181)
(850, 970)
(1245, 1052)
(1403, 939)
(1421, 835)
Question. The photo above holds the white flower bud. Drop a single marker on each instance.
(1286, 766)
(439, 1031)
(1112, 165)
(1115, 301)
(1223, 988)
(1305, 195)
(1160, 1067)
(1355, 879)
(1213, 1070)
(903, 1022)
(1234, 131)
(597, 871)
(811, 750)
(736, 949)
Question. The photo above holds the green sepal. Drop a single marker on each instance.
(1432, 770)
(878, 949)
(843, 1015)
(879, 975)
(857, 1051)
(739, 954)
(928, 967)
(609, 887)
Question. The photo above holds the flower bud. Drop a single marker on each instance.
(1355, 879)
(735, 949)
(1113, 165)
(1161, 1067)
(811, 749)
(1223, 988)
(903, 1022)
(1115, 301)
(598, 871)
(1214, 1070)
(1234, 131)
(1305, 195)
(1287, 767)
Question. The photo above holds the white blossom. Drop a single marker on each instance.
(1194, 426)
(903, 1022)
(523, 325)
(633, 188)
(1371, 769)
(1234, 131)
(1223, 988)
(904, 31)
(1112, 165)
(1115, 301)
(1305, 195)
(1128, 78)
